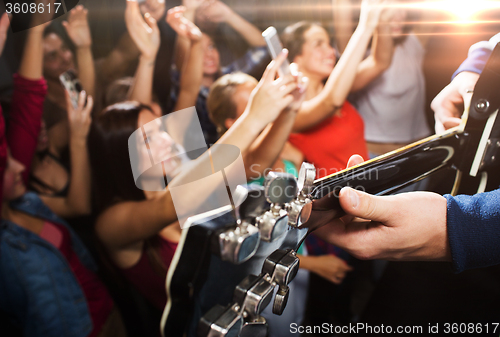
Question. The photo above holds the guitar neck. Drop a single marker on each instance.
(388, 173)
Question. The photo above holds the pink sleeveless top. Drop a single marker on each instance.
(144, 277)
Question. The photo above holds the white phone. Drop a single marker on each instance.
(71, 83)
(275, 47)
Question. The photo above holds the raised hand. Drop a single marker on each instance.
(42, 19)
(4, 26)
(449, 104)
(215, 11)
(77, 27)
(143, 31)
(80, 117)
(371, 11)
(156, 8)
(300, 93)
(183, 27)
(388, 14)
(271, 96)
(193, 5)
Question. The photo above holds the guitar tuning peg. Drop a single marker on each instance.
(307, 174)
(282, 265)
(221, 322)
(254, 294)
(300, 209)
(255, 328)
(280, 300)
(273, 224)
(280, 188)
(236, 244)
(254, 205)
(240, 195)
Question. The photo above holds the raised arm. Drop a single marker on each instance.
(155, 8)
(31, 66)
(449, 105)
(266, 103)
(427, 20)
(146, 35)
(269, 145)
(77, 202)
(27, 101)
(191, 72)
(218, 12)
(4, 26)
(381, 53)
(117, 62)
(343, 22)
(182, 43)
(78, 30)
(340, 81)
(192, 69)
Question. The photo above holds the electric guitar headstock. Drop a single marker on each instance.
(251, 249)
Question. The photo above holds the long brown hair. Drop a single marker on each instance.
(113, 180)
(293, 37)
(109, 154)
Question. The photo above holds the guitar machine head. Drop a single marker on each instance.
(266, 214)
(287, 203)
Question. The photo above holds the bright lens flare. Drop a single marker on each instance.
(464, 10)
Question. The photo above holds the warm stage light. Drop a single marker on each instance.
(463, 10)
(466, 9)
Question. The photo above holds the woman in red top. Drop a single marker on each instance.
(329, 129)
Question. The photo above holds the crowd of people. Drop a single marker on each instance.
(70, 202)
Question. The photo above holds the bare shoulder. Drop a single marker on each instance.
(115, 218)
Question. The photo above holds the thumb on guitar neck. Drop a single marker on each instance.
(364, 205)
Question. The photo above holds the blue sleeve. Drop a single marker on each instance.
(475, 62)
(473, 225)
(478, 56)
